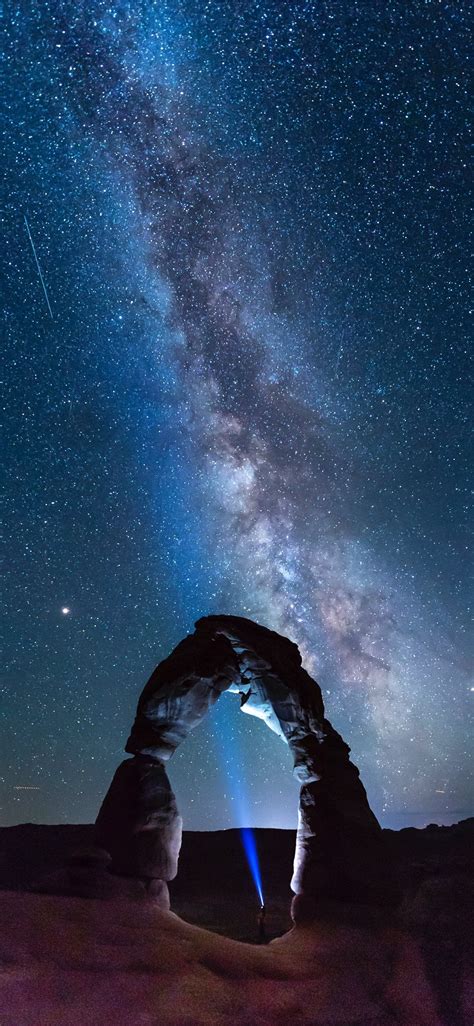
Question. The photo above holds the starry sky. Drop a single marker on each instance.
(236, 381)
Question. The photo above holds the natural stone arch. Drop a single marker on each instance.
(339, 841)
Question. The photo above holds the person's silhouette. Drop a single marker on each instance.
(261, 924)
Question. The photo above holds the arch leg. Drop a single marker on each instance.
(138, 822)
(339, 850)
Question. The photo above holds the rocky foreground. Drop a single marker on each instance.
(78, 961)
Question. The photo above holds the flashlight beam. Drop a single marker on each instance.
(250, 847)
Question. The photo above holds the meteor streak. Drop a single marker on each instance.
(39, 268)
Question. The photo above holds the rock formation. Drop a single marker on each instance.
(339, 841)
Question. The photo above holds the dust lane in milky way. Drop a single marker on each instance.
(253, 393)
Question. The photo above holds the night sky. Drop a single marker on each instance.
(239, 385)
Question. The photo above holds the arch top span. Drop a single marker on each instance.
(230, 653)
(338, 838)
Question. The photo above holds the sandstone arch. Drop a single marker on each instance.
(339, 841)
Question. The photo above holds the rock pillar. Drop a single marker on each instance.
(339, 851)
(139, 824)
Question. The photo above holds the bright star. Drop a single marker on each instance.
(65, 610)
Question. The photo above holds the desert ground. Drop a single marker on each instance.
(119, 960)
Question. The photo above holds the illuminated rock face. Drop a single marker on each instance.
(339, 841)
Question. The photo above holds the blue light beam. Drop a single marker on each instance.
(234, 769)
(250, 848)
